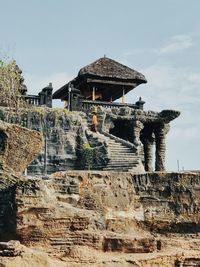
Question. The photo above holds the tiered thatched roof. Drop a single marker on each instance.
(107, 76)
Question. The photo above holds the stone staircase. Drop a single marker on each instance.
(122, 155)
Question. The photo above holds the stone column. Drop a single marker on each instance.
(138, 150)
(160, 138)
(137, 127)
(148, 143)
(147, 138)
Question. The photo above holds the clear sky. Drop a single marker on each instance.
(52, 39)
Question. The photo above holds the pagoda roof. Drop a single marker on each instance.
(106, 67)
(108, 75)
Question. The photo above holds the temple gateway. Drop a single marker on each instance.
(128, 132)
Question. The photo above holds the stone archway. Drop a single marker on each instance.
(122, 128)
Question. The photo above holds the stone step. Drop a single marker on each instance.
(129, 166)
(116, 144)
(120, 148)
(128, 150)
(122, 161)
(121, 166)
(128, 160)
(123, 149)
(121, 154)
(124, 156)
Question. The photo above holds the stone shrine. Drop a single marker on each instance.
(127, 125)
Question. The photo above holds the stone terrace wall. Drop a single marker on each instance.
(60, 130)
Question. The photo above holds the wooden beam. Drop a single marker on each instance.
(93, 94)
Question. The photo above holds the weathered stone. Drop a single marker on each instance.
(12, 248)
(65, 134)
(59, 130)
(160, 136)
(79, 215)
(19, 146)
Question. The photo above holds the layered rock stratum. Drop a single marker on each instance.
(80, 218)
(93, 218)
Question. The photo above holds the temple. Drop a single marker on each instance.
(127, 135)
(105, 80)
(131, 131)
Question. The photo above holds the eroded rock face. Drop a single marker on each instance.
(93, 218)
(65, 132)
(18, 146)
(110, 218)
(60, 130)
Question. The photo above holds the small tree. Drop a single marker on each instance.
(11, 85)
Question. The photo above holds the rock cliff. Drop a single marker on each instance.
(93, 218)
(108, 219)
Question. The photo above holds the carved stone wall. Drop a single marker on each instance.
(60, 131)
(148, 127)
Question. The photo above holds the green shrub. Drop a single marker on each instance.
(88, 155)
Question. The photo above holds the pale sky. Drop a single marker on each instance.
(52, 39)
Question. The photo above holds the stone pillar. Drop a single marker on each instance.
(160, 138)
(46, 96)
(147, 138)
(137, 127)
(140, 103)
(148, 153)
